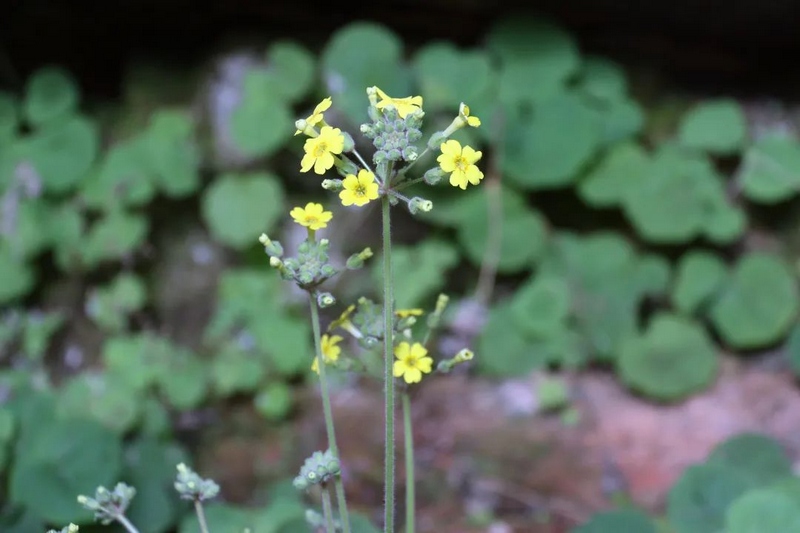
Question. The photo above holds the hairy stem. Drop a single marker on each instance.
(409, 450)
(129, 527)
(327, 411)
(201, 516)
(327, 510)
(388, 344)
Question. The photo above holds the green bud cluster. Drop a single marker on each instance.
(317, 469)
(107, 505)
(309, 269)
(394, 138)
(191, 486)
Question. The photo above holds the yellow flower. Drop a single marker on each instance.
(412, 362)
(463, 112)
(404, 106)
(359, 190)
(313, 216)
(330, 351)
(320, 150)
(405, 313)
(460, 162)
(316, 117)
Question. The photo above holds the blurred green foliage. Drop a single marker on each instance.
(82, 204)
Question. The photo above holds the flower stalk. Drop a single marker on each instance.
(388, 344)
(409, 454)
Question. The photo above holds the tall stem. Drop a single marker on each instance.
(201, 516)
(388, 344)
(327, 510)
(409, 451)
(327, 411)
(129, 527)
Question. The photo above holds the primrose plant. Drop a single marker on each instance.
(395, 131)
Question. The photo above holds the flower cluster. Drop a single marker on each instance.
(108, 505)
(317, 469)
(190, 486)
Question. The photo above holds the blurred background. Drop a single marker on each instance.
(626, 273)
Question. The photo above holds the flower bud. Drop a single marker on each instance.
(436, 140)
(349, 143)
(325, 299)
(334, 185)
(356, 261)
(410, 153)
(394, 155)
(417, 204)
(433, 176)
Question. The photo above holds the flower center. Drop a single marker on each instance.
(321, 148)
(411, 360)
(460, 163)
(311, 219)
(360, 190)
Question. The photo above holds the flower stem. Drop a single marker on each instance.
(327, 411)
(388, 343)
(201, 516)
(327, 510)
(129, 527)
(409, 450)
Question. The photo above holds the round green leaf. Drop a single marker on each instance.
(717, 126)
(541, 306)
(504, 350)
(769, 171)
(699, 277)
(759, 303)
(537, 58)
(51, 93)
(108, 399)
(63, 153)
(138, 359)
(758, 457)
(673, 358)
(124, 178)
(172, 153)
(420, 270)
(237, 208)
(261, 123)
(18, 277)
(541, 153)
(286, 340)
(293, 67)
(110, 306)
(114, 236)
(620, 170)
(220, 518)
(763, 510)
(448, 76)
(68, 457)
(66, 229)
(275, 401)
(620, 120)
(698, 501)
(237, 371)
(183, 380)
(30, 234)
(654, 274)
(360, 55)
(725, 223)
(793, 349)
(627, 520)
(603, 80)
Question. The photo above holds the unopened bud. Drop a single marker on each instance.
(349, 144)
(436, 140)
(356, 261)
(433, 176)
(325, 299)
(417, 204)
(332, 185)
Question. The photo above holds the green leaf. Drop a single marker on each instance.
(7, 425)
(523, 232)
(66, 229)
(124, 178)
(286, 340)
(67, 458)
(293, 68)
(171, 152)
(699, 276)
(770, 171)
(39, 329)
(114, 236)
(680, 199)
(138, 359)
(627, 520)
(541, 153)
(537, 58)
(503, 350)
(220, 518)
(758, 305)
(17, 276)
(50, 94)
(63, 153)
(717, 126)
(541, 306)
(672, 359)
(109, 306)
(758, 457)
(235, 370)
(725, 223)
(603, 80)
(448, 76)
(654, 275)
(107, 399)
(420, 270)
(183, 380)
(275, 401)
(30, 225)
(237, 208)
(242, 297)
(698, 502)
(283, 515)
(793, 349)
(619, 121)
(362, 55)
(620, 170)
(763, 510)
(261, 123)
